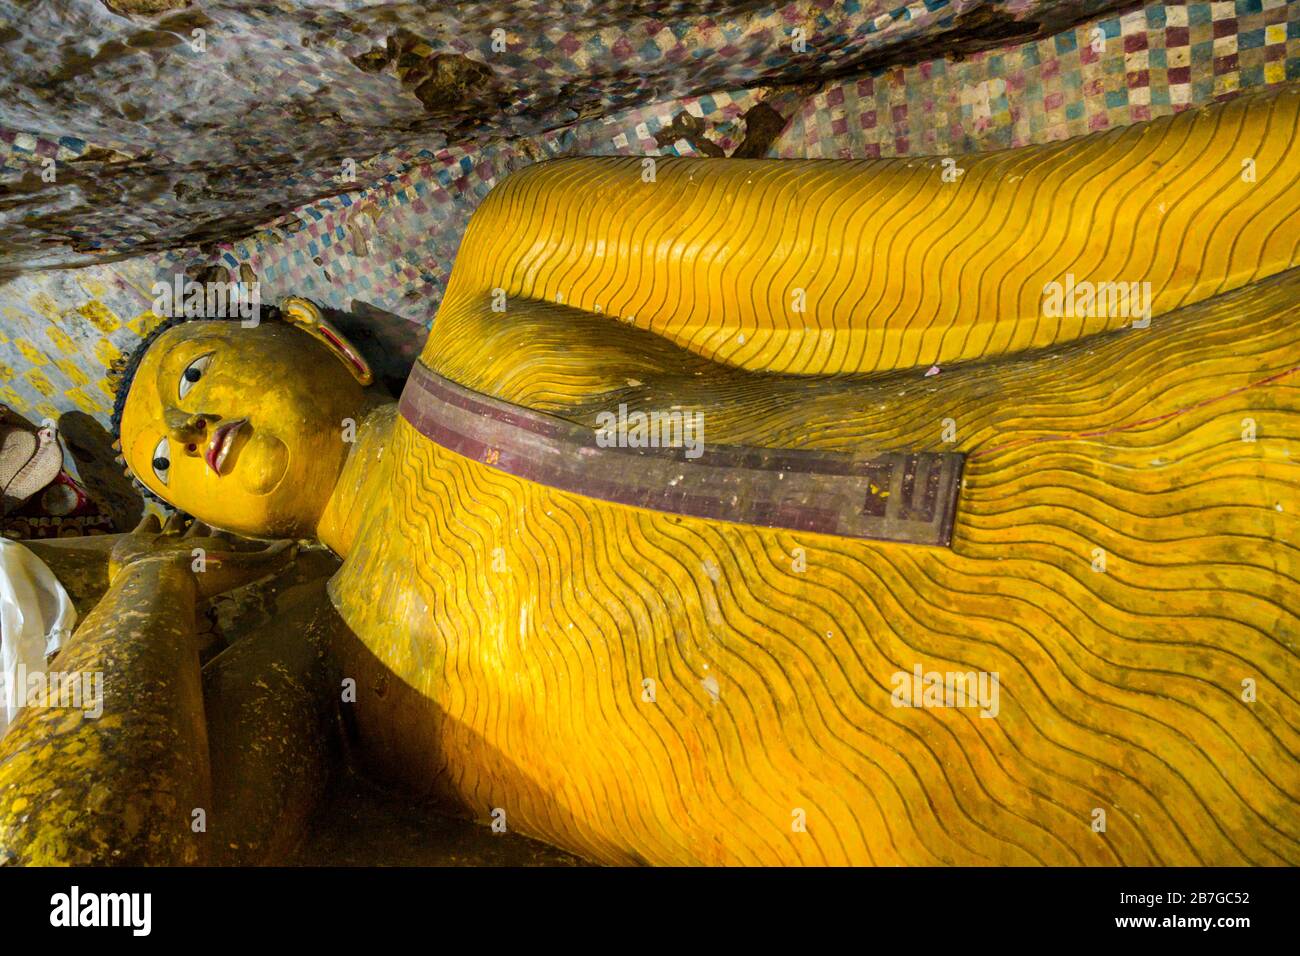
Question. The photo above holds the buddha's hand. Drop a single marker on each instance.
(215, 560)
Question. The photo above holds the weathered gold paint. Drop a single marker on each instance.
(100, 316)
(107, 353)
(31, 354)
(63, 342)
(46, 306)
(83, 401)
(523, 689)
(124, 787)
(38, 381)
(120, 788)
(144, 323)
(72, 372)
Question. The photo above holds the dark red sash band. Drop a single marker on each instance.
(898, 496)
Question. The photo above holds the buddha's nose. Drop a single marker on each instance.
(189, 428)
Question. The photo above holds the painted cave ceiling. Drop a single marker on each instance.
(181, 123)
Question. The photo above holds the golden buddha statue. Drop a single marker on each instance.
(982, 556)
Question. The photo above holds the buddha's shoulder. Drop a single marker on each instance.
(371, 437)
(362, 479)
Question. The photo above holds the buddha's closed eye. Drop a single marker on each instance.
(193, 372)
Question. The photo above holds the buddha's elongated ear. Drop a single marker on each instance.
(307, 316)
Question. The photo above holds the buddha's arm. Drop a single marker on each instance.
(825, 267)
(115, 780)
(111, 766)
(566, 362)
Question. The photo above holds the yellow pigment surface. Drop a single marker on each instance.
(641, 686)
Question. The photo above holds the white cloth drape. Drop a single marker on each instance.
(36, 615)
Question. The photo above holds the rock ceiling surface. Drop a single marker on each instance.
(174, 123)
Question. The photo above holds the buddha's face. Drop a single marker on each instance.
(241, 427)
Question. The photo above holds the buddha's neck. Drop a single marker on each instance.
(343, 512)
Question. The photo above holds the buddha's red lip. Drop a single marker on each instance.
(223, 437)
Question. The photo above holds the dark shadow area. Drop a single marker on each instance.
(389, 342)
(356, 824)
(90, 445)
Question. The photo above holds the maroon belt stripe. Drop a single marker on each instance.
(895, 496)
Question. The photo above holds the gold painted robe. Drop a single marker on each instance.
(639, 686)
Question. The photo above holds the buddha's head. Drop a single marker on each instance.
(242, 427)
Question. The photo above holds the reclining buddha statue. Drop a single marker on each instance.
(750, 512)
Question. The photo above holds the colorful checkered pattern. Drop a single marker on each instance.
(1111, 72)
